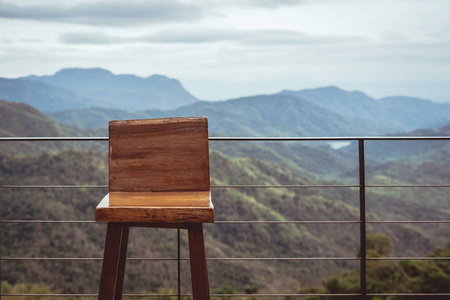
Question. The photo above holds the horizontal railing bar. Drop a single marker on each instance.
(408, 294)
(410, 258)
(249, 222)
(48, 221)
(81, 258)
(182, 295)
(281, 295)
(65, 295)
(287, 186)
(215, 222)
(328, 186)
(213, 186)
(408, 185)
(284, 186)
(286, 222)
(53, 186)
(235, 258)
(186, 259)
(353, 138)
(322, 295)
(233, 295)
(232, 138)
(53, 138)
(409, 222)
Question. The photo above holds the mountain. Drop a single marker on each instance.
(264, 115)
(407, 151)
(120, 91)
(223, 240)
(328, 111)
(394, 114)
(18, 119)
(275, 115)
(231, 164)
(40, 95)
(98, 117)
(416, 112)
(354, 104)
(21, 120)
(91, 97)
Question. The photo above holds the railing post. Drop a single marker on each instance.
(178, 264)
(362, 217)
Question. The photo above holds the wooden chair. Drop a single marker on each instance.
(158, 177)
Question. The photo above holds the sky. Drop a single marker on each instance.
(223, 49)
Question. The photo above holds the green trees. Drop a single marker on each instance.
(389, 276)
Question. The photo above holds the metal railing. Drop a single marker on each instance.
(363, 294)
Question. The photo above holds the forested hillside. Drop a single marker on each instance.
(243, 163)
(402, 276)
(21, 120)
(264, 115)
(223, 240)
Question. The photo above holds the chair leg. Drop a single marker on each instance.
(199, 273)
(122, 263)
(110, 268)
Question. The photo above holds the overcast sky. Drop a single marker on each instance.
(221, 49)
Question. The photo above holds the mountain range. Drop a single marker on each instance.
(290, 114)
(231, 164)
(76, 88)
(89, 98)
(237, 163)
(324, 111)
(399, 113)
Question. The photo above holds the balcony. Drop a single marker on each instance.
(346, 212)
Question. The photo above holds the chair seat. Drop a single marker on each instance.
(199, 210)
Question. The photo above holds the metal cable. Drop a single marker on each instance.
(230, 138)
(235, 295)
(243, 222)
(246, 186)
(232, 258)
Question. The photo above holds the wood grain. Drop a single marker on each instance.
(141, 214)
(161, 199)
(199, 273)
(122, 262)
(110, 262)
(157, 155)
(159, 177)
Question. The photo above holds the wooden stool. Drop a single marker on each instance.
(158, 177)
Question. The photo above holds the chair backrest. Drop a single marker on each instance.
(159, 155)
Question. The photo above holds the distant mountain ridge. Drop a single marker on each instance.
(264, 115)
(22, 120)
(81, 88)
(40, 95)
(400, 113)
(121, 91)
(19, 119)
(318, 112)
(89, 98)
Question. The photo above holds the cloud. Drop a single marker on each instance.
(272, 4)
(110, 13)
(93, 38)
(201, 35)
(267, 3)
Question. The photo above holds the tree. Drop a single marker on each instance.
(387, 276)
